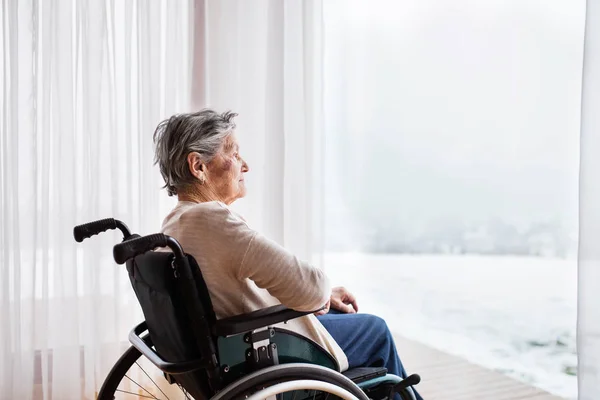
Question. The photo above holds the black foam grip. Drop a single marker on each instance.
(131, 248)
(413, 379)
(90, 229)
(407, 382)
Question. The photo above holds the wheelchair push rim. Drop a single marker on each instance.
(302, 385)
(267, 377)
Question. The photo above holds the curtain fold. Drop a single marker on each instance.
(84, 85)
(588, 321)
(263, 59)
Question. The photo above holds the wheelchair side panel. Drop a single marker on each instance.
(291, 348)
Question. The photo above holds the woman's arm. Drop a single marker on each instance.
(295, 283)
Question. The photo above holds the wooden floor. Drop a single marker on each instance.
(448, 377)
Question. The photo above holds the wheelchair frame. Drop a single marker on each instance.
(247, 353)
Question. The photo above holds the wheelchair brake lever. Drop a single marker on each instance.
(410, 380)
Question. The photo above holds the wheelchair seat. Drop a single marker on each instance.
(205, 355)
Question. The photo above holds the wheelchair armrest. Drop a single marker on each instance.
(142, 344)
(257, 319)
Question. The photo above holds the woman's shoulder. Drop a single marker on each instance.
(213, 214)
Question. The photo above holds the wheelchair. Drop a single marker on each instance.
(241, 357)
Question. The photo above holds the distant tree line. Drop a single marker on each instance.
(493, 238)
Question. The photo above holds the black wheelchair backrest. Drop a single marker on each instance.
(159, 285)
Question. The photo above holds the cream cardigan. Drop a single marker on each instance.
(244, 271)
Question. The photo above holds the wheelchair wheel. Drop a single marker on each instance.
(134, 377)
(305, 387)
(289, 375)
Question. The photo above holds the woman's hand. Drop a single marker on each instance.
(341, 300)
(344, 301)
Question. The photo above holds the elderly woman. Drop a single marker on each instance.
(200, 161)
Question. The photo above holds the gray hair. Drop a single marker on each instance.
(202, 132)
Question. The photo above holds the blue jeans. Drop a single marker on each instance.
(366, 341)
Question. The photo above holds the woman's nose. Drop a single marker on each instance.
(245, 167)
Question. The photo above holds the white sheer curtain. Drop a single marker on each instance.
(84, 84)
(263, 59)
(588, 321)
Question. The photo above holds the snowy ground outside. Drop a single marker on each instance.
(516, 315)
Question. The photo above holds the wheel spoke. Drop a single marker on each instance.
(141, 387)
(135, 394)
(136, 363)
(185, 393)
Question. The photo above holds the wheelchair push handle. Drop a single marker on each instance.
(135, 247)
(84, 231)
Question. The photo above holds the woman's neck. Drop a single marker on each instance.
(199, 195)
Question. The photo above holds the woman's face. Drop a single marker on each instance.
(225, 173)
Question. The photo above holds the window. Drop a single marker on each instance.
(452, 167)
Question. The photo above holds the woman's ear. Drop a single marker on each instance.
(196, 166)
